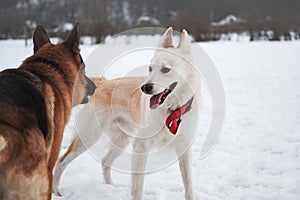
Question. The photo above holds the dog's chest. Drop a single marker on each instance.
(158, 134)
(186, 132)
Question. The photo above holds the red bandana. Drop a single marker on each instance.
(174, 119)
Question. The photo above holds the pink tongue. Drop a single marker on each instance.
(155, 99)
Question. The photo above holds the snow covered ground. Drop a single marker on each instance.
(258, 154)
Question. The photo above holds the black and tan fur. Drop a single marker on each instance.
(35, 104)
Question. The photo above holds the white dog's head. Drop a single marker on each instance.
(171, 74)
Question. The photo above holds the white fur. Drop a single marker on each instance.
(2, 144)
(117, 123)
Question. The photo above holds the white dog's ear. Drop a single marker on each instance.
(185, 41)
(166, 40)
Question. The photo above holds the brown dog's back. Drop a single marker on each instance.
(35, 105)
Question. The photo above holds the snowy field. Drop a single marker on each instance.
(258, 154)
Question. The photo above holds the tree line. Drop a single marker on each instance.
(274, 19)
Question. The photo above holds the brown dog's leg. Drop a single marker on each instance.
(51, 164)
(52, 159)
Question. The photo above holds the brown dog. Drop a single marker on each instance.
(35, 104)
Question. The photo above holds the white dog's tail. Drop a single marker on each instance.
(97, 81)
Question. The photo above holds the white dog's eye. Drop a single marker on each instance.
(165, 69)
(150, 69)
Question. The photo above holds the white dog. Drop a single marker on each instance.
(151, 113)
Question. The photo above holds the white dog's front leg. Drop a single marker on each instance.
(185, 163)
(109, 158)
(75, 149)
(139, 162)
(171, 102)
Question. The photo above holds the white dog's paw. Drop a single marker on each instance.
(110, 182)
(171, 102)
(56, 192)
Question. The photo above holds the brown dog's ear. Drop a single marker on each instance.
(72, 41)
(40, 38)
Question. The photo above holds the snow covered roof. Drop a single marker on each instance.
(147, 19)
(230, 19)
(30, 24)
(64, 27)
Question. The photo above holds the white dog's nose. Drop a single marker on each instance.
(147, 88)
